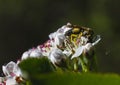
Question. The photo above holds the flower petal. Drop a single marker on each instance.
(78, 52)
(59, 39)
(98, 38)
(88, 47)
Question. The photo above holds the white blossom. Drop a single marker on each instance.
(56, 56)
(64, 28)
(84, 48)
(36, 53)
(26, 54)
(11, 69)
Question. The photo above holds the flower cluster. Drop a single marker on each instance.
(70, 42)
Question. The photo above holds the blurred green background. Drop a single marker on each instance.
(26, 23)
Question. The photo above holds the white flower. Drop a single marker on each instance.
(85, 48)
(11, 69)
(56, 56)
(64, 28)
(12, 73)
(26, 54)
(57, 38)
(36, 53)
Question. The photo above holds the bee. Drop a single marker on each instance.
(77, 31)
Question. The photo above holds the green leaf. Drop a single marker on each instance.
(41, 72)
(36, 65)
(76, 79)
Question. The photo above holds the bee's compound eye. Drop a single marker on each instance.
(76, 30)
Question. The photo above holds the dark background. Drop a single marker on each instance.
(26, 23)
